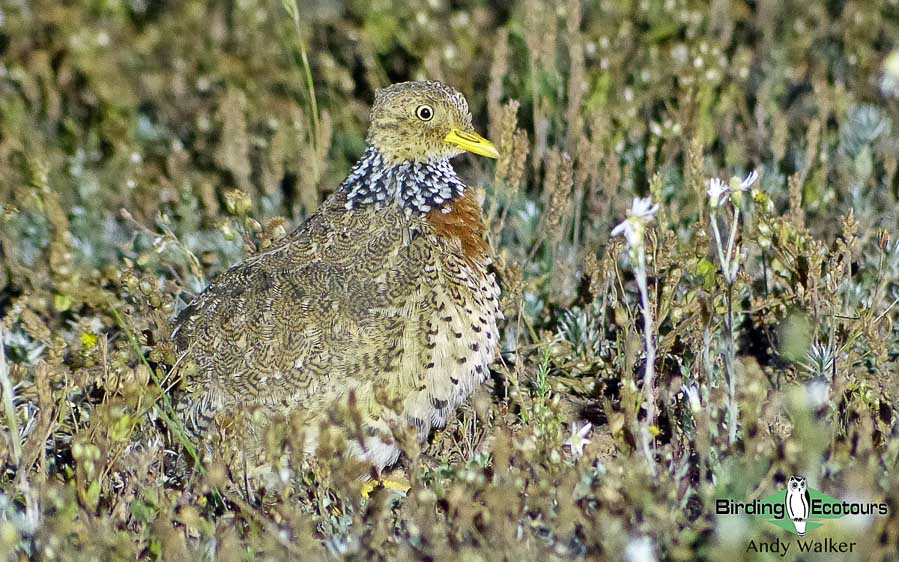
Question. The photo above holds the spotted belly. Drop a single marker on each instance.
(462, 343)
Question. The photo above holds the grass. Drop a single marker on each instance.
(147, 146)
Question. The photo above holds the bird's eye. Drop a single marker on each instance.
(424, 112)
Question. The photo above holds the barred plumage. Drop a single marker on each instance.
(386, 287)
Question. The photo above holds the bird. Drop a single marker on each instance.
(383, 301)
(797, 502)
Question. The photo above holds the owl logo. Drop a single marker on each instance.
(797, 503)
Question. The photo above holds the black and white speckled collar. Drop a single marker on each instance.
(416, 187)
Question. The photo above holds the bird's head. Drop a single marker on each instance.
(423, 122)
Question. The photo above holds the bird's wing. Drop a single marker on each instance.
(336, 308)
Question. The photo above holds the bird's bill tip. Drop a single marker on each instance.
(472, 142)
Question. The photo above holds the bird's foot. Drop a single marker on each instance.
(396, 485)
(387, 484)
(369, 487)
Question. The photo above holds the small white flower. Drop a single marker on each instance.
(642, 212)
(627, 229)
(744, 184)
(578, 439)
(692, 393)
(738, 187)
(717, 192)
(642, 208)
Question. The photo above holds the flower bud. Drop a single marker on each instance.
(237, 202)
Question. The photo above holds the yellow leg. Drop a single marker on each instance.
(370, 487)
(397, 485)
(386, 483)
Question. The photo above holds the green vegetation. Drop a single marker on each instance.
(147, 145)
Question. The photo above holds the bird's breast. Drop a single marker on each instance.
(463, 224)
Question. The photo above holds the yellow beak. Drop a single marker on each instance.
(472, 142)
